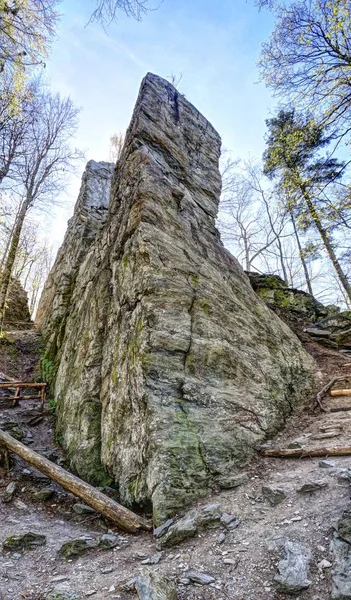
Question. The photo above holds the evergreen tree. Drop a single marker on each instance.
(293, 157)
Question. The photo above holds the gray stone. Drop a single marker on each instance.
(343, 527)
(157, 324)
(13, 429)
(326, 464)
(275, 495)
(221, 538)
(44, 494)
(9, 492)
(207, 515)
(201, 578)
(152, 586)
(312, 486)
(341, 572)
(153, 560)
(108, 540)
(293, 569)
(181, 530)
(229, 521)
(29, 540)
(159, 531)
(83, 509)
(342, 474)
(74, 548)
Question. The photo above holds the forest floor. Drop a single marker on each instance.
(242, 561)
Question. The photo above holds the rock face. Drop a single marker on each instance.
(17, 314)
(334, 331)
(171, 369)
(89, 215)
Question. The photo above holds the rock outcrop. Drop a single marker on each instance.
(287, 300)
(334, 331)
(17, 315)
(171, 369)
(89, 216)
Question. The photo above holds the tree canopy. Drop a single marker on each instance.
(307, 59)
(293, 157)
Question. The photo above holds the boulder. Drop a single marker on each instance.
(152, 586)
(293, 569)
(25, 541)
(170, 369)
(341, 573)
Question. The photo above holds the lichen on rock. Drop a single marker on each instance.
(170, 368)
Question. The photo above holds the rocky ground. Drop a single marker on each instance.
(269, 536)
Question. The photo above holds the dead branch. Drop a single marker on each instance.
(119, 515)
(326, 389)
(306, 452)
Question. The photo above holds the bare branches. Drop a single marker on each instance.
(40, 173)
(107, 10)
(26, 31)
(307, 60)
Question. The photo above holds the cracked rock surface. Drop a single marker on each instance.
(170, 368)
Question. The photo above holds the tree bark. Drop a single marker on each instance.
(302, 258)
(327, 243)
(307, 452)
(119, 515)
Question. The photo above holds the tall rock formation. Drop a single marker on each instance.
(17, 315)
(89, 216)
(171, 368)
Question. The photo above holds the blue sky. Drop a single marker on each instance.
(214, 44)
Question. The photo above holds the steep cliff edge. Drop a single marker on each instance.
(170, 368)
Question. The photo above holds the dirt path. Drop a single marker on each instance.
(242, 562)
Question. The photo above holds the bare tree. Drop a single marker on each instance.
(308, 56)
(250, 216)
(107, 10)
(116, 146)
(41, 174)
(27, 28)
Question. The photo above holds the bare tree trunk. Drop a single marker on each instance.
(11, 256)
(327, 243)
(302, 258)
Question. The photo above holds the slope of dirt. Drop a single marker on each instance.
(242, 562)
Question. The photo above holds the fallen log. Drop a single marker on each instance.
(307, 452)
(335, 409)
(326, 389)
(340, 392)
(117, 514)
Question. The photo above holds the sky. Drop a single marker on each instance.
(213, 45)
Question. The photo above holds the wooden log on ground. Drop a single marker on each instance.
(346, 392)
(335, 409)
(119, 515)
(21, 384)
(307, 452)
